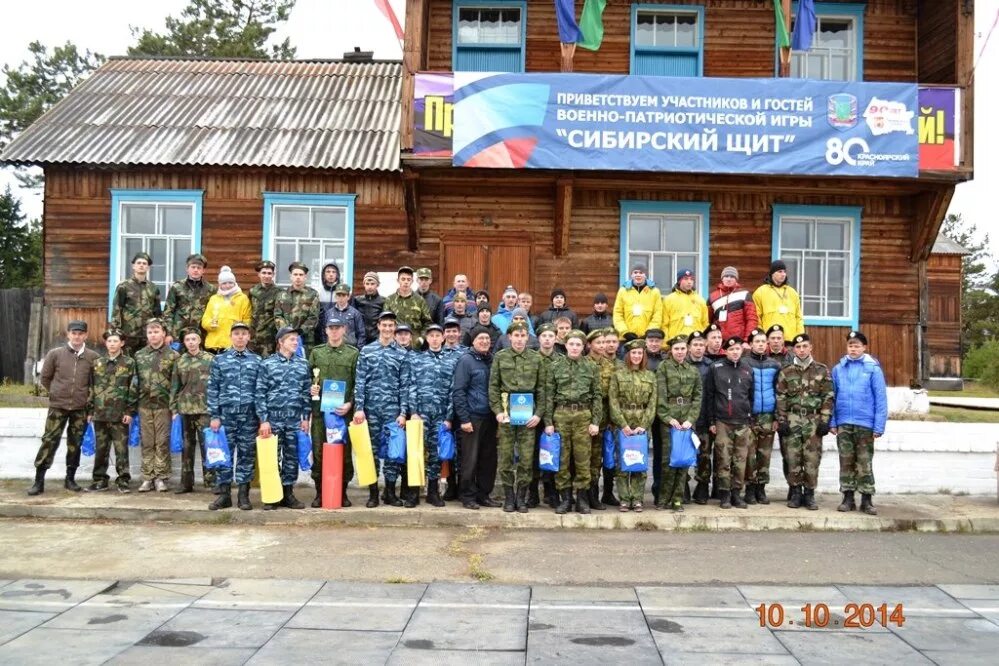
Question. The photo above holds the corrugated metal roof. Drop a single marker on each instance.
(945, 245)
(315, 114)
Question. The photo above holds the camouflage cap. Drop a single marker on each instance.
(610, 332)
(188, 330)
(593, 335)
(677, 339)
(114, 332)
(637, 343)
(424, 273)
(518, 326)
(547, 327)
(299, 265)
(197, 258)
(578, 334)
(404, 270)
(335, 320)
(239, 324)
(155, 321)
(265, 263)
(403, 328)
(342, 288)
(285, 330)
(142, 255)
(433, 327)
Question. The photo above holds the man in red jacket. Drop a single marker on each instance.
(732, 307)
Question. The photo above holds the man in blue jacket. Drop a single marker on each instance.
(764, 422)
(859, 418)
(470, 396)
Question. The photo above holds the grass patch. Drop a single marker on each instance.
(22, 395)
(942, 414)
(458, 548)
(805, 527)
(399, 581)
(972, 389)
(646, 526)
(900, 526)
(476, 569)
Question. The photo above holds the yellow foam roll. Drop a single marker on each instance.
(416, 474)
(267, 461)
(364, 459)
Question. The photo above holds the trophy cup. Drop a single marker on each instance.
(315, 382)
(506, 405)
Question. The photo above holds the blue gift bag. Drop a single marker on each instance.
(550, 452)
(134, 434)
(445, 443)
(395, 443)
(177, 435)
(634, 452)
(609, 449)
(89, 444)
(336, 428)
(217, 453)
(304, 451)
(682, 452)
(175, 346)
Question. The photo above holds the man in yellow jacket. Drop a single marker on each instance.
(638, 306)
(684, 310)
(778, 303)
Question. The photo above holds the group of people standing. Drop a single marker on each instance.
(735, 370)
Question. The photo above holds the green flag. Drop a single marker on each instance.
(591, 24)
(783, 38)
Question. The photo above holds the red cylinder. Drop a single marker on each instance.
(333, 475)
(445, 469)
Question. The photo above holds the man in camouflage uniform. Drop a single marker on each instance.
(632, 404)
(696, 346)
(232, 391)
(408, 306)
(154, 366)
(378, 398)
(679, 393)
(186, 300)
(263, 298)
(609, 364)
(546, 347)
(729, 385)
(654, 355)
(284, 408)
(136, 300)
(112, 403)
(429, 398)
(66, 375)
(188, 399)
(777, 351)
(804, 409)
(516, 370)
(597, 354)
(297, 307)
(574, 407)
(338, 361)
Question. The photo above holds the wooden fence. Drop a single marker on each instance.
(15, 319)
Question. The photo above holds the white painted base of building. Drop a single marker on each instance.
(911, 457)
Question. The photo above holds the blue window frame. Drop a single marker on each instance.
(837, 52)
(489, 35)
(667, 40)
(312, 228)
(666, 236)
(164, 223)
(821, 247)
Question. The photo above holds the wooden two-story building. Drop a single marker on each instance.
(314, 161)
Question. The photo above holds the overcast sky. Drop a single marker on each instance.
(327, 28)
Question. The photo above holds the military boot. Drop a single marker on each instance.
(434, 493)
(70, 483)
(224, 499)
(533, 497)
(686, 492)
(372, 496)
(317, 503)
(582, 501)
(867, 504)
(794, 502)
(242, 496)
(750, 497)
(724, 497)
(290, 500)
(344, 500)
(608, 497)
(509, 499)
(563, 501)
(389, 496)
(737, 500)
(522, 492)
(809, 499)
(848, 503)
(186, 484)
(39, 487)
(593, 497)
(701, 493)
(761, 493)
(552, 498)
(451, 492)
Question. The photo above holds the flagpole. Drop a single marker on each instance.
(785, 51)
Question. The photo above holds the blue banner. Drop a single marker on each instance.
(709, 125)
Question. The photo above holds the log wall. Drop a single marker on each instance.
(943, 272)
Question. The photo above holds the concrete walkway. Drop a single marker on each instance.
(969, 403)
(928, 513)
(237, 621)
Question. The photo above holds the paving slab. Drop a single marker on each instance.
(108, 613)
(359, 606)
(729, 659)
(792, 598)
(678, 633)
(708, 601)
(591, 648)
(577, 593)
(5, 582)
(49, 594)
(929, 601)
(14, 623)
(144, 594)
(468, 628)
(581, 619)
(181, 589)
(252, 594)
(959, 658)
(204, 582)
(842, 647)
(144, 655)
(407, 656)
(971, 591)
(301, 646)
(80, 647)
(212, 628)
(466, 593)
(978, 636)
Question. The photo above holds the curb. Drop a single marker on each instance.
(649, 521)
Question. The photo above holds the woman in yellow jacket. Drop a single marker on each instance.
(638, 305)
(224, 309)
(778, 303)
(684, 310)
